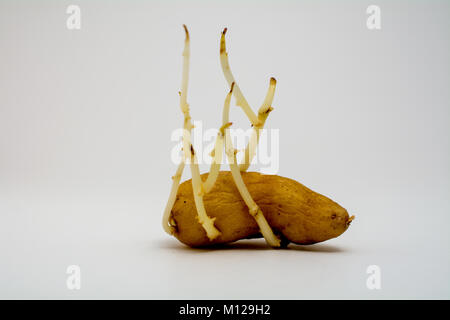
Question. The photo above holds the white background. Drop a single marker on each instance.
(86, 118)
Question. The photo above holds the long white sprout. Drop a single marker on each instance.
(257, 121)
(253, 208)
(189, 157)
(240, 99)
(169, 227)
(263, 113)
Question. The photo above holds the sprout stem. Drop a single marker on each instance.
(218, 149)
(172, 197)
(240, 99)
(189, 156)
(197, 185)
(198, 192)
(253, 208)
(263, 113)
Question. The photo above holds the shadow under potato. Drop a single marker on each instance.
(251, 244)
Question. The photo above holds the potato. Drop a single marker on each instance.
(295, 213)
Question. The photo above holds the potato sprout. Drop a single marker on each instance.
(223, 140)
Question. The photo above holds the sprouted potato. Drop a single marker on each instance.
(226, 206)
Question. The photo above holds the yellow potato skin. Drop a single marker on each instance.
(295, 213)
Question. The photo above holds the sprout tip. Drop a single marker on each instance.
(186, 31)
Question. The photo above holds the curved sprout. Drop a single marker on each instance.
(217, 154)
(253, 208)
(263, 112)
(189, 155)
(240, 99)
(168, 227)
